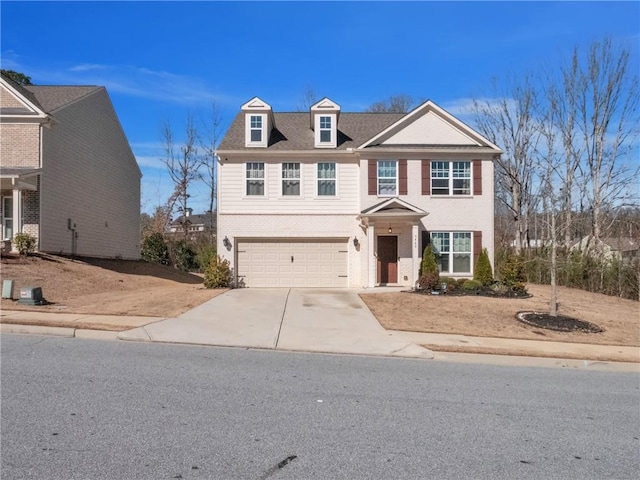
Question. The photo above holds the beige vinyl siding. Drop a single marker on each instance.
(90, 176)
(233, 198)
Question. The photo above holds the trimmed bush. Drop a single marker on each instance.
(429, 281)
(218, 273)
(155, 250)
(428, 264)
(25, 243)
(483, 272)
(473, 285)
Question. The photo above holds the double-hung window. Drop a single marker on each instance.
(387, 178)
(450, 178)
(326, 179)
(256, 128)
(255, 178)
(453, 251)
(325, 129)
(290, 179)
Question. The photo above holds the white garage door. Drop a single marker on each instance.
(292, 263)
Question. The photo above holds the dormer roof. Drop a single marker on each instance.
(323, 106)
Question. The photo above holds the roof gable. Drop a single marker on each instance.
(429, 125)
(393, 206)
(15, 100)
(256, 103)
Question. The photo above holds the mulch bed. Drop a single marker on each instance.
(560, 323)
(483, 292)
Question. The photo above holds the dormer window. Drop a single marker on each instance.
(256, 128)
(258, 121)
(324, 123)
(325, 129)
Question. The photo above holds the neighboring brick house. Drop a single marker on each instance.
(333, 199)
(68, 175)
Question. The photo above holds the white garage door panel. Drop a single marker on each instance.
(315, 263)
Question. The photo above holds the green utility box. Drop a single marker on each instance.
(7, 289)
(31, 296)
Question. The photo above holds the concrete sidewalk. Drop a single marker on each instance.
(312, 320)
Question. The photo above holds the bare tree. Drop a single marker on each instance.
(309, 97)
(607, 121)
(393, 104)
(509, 121)
(209, 159)
(182, 166)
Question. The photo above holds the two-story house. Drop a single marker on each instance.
(327, 198)
(68, 175)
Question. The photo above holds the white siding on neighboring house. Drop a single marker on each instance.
(91, 177)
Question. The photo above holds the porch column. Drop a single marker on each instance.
(371, 261)
(415, 255)
(17, 215)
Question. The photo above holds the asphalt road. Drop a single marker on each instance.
(81, 409)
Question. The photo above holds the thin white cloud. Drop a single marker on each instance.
(129, 80)
(145, 161)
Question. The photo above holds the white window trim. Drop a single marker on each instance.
(396, 194)
(450, 193)
(282, 179)
(335, 179)
(450, 271)
(264, 190)
(6, 217)
(248, 129)
(334, 130)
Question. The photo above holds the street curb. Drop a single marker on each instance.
(37, 330)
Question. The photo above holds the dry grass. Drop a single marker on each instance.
(495, 317)
(110, 287)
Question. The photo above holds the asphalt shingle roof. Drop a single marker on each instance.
(52, 97)
(292, 130)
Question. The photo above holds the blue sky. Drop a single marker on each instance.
(163, 60)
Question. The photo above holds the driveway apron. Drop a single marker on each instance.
(238, 318)
(338, 321)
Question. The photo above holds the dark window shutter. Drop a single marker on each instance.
(373, 177)
(477, 247)
(402, 170)
(477, 177)
(426, 177)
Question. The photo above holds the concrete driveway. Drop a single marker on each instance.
(314, 320)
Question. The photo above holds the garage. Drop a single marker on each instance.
(293, 263)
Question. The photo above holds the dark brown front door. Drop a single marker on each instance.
(387, 260)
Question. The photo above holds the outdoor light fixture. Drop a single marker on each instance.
(390, 230)
(226, 242)
(356, 243)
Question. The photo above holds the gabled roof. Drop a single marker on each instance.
(54, 97)
(393, 207)
(292, 131)
(196, 219)
(25, 102)
(429, 125)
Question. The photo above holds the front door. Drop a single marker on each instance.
(387, 260)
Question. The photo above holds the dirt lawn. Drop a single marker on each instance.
(116, 287)
(495, 317)
(99, 286)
